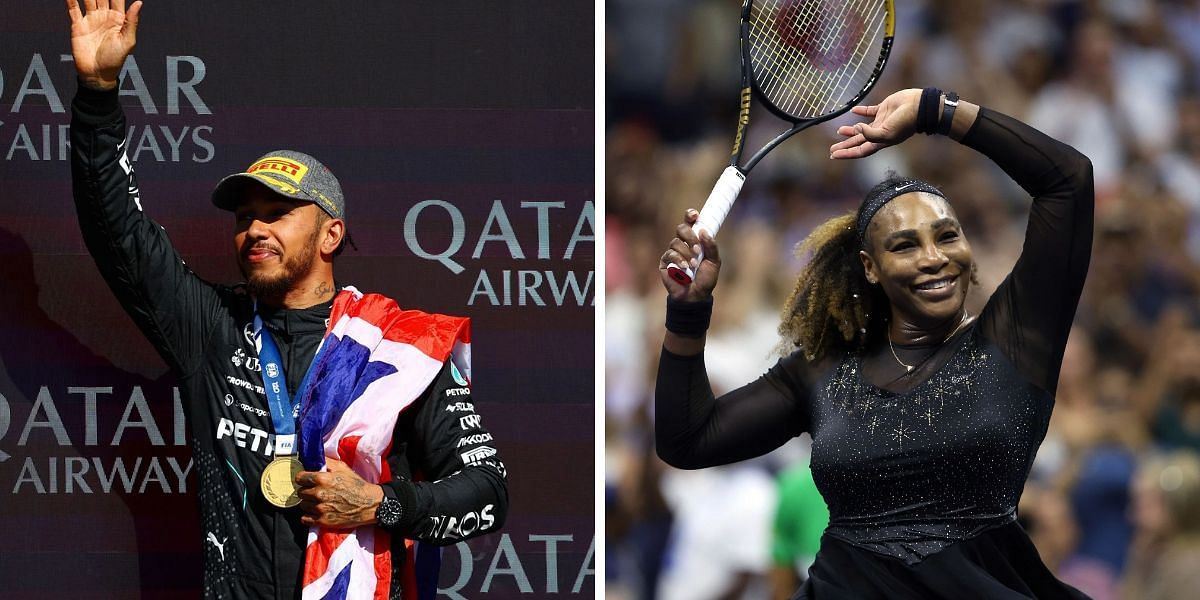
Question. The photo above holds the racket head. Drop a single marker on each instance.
(812, 60)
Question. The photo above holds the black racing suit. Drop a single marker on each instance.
(202, 330)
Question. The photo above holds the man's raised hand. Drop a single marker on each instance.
(101, 39)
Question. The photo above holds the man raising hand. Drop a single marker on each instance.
(371, 439)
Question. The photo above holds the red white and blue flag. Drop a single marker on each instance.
(375, 361)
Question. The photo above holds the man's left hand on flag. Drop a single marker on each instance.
(337, 498)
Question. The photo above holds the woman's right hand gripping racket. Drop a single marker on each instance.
(807, 61)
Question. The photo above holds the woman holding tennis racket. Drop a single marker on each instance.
(924, 418)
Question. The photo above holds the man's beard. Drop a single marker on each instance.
(262, 285)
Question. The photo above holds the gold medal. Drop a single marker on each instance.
(279, 481)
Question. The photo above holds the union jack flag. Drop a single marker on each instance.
(375, 361)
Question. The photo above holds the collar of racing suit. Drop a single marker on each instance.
(297, 321)
(297, 333)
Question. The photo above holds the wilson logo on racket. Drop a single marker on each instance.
(280, 166)
(743, 120)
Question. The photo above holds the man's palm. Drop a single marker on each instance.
(102, 39)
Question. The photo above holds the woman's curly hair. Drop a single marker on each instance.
(833, 308)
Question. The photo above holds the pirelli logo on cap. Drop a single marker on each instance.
(280, 166)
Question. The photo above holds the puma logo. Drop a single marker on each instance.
(212, 537)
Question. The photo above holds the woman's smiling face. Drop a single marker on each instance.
(917, 252)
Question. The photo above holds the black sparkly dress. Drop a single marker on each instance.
(921, 471)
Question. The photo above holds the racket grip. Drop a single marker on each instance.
(712, 215)
(720, 200)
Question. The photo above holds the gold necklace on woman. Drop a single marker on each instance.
(909, 368)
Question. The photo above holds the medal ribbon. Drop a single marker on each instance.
(284, 410)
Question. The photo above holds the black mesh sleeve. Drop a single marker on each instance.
(693, 430)
(1030, 314)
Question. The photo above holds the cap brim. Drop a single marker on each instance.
(229, 190)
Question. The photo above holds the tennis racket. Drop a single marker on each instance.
(807, 61)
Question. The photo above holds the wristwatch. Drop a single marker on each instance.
(390, 511)
(948, 106)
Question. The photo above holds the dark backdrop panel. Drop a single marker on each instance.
(463, 135)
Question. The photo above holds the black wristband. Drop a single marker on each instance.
(947, 118)
(689, 319)
(927, 111)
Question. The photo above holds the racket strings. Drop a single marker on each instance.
(811, 57)
(803, 45)
(795, 29)
(811, 43)
(843, 84)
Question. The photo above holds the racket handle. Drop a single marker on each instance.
(712, 215)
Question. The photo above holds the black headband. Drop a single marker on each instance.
(882, 194)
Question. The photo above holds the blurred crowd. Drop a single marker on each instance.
(1113, 502)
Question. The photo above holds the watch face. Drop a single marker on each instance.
(389, 512)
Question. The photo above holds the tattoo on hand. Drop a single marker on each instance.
(339, 498)
(346, 502)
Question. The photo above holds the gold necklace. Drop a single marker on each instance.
(909, 368)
